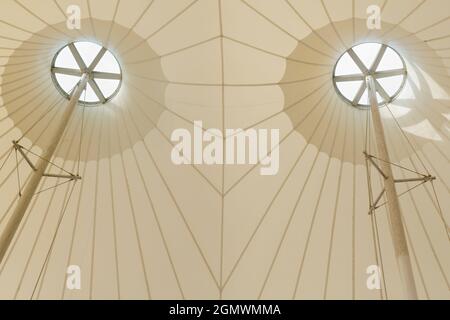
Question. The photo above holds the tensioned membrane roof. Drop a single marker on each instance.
(141, 227)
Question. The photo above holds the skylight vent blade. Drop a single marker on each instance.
(90, 94)
(349, 89)
(67, 82)
(367, 52)
(88, 51)
(391, 84)
(365, 98)
(65, 59)
(346, 66)
(390, 61)
(107, 87)
(108, 64)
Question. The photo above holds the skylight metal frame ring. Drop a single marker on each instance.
(366, 72)
(93, 74)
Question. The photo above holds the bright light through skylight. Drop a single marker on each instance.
(369, 59)
(104, 72)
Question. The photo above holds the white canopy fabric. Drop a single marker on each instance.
(141, 227)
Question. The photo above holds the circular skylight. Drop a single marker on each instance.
(75, 59)
(381, 62)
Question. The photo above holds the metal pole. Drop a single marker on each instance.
(16, 218)
(397, 229)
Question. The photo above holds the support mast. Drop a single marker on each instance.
(40, 168)
(397, 228)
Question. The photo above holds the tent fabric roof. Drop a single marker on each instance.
(141, 227)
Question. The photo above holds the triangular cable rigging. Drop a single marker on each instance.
(371, 160)
(25, 152)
